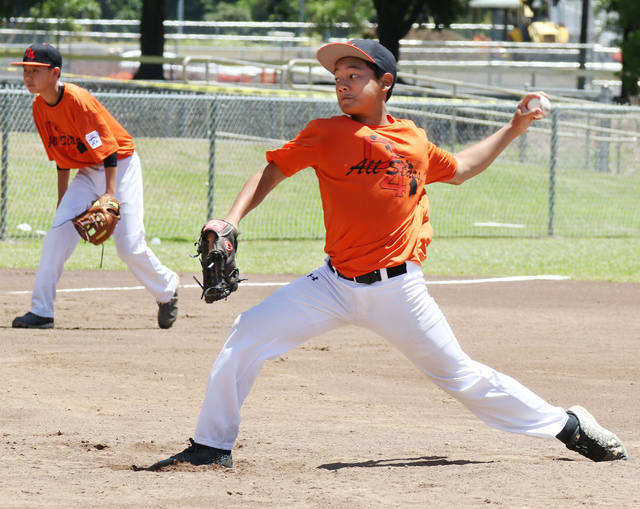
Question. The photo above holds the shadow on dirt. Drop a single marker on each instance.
(424, 461)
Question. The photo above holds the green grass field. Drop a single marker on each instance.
(606, 259)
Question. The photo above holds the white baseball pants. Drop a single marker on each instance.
(401, 310)
(129, 236)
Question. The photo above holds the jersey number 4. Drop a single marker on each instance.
(394, 176)
(394, 181)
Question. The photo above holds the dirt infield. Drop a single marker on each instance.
(342, 422)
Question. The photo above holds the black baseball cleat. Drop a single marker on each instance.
(168, 312)
(32, 321)
(592, 440)
(195, 454)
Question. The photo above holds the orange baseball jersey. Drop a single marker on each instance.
(79, 131)
(372, 178)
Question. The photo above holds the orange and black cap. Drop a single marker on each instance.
(368, 50)
(41, 55)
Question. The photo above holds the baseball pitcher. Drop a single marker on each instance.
(372, 169)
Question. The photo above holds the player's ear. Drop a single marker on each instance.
(387, 81)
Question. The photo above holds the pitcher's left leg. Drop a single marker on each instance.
(415, 325)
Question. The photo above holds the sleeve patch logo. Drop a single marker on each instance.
(93, 139)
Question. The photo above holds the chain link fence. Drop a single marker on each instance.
(574, 173)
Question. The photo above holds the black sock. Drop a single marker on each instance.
(569, 429)
(214, 449)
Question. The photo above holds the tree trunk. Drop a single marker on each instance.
(627, 89)
(151, 39)
(584, 29)
(394, 21)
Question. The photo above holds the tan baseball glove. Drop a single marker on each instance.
(96, 224)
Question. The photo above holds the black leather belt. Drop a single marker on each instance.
(373, 276)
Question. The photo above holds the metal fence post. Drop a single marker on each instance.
(619, 149)
(453, 127)
(587, 143)
(4, 176)
(212, 156)
(522, 147)
(605, 121)
(604, 147)
(552, 170)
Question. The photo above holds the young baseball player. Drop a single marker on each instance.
(79, 133)
(372, 169)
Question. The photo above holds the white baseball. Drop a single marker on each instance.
(539, 102)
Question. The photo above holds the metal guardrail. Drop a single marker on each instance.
(416, 81)
(134, 36)
(433, 86)
(239, 24)
(179, 61)
(186, 61)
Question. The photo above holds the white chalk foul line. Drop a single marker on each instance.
(505, 279)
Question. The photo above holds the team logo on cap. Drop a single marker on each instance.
(29, 53)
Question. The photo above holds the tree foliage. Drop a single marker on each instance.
(11, 8)
(624, 17)
(120, 9)
(66, 9)
(272, 10)
(194, 10)
(325, 15)
(228, 11)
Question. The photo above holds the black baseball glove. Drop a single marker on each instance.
(217, 248)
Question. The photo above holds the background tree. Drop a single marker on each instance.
(151, 39)
(584, 32)
(228, 11)
(193, 10)
(624, 18)
(395, 17)
(66, 9)
(120, 9)
(11, 8)
(326, 14)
